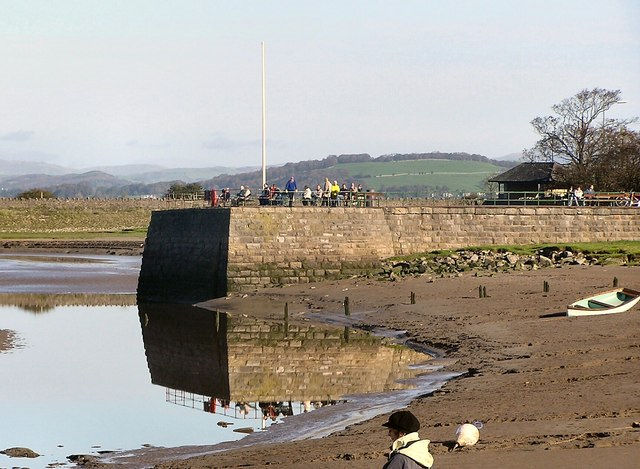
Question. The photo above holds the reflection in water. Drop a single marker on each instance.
(245, 368)
(45, 302)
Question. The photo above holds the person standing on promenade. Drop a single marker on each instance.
(327, 192)
(335, 191)
(291, 189)
(571, 193)
(408, 451)
(578, 195)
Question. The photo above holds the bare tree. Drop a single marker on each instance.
(579, 133)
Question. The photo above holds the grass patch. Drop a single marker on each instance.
(602, 247)
(60, 219)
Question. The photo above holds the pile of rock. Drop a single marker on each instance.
(488, 261)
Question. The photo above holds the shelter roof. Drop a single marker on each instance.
(529, 172)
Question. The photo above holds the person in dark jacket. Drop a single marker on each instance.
(408, 451)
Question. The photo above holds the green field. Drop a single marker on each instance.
(451, 175)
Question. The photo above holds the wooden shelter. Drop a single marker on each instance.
(529, 177)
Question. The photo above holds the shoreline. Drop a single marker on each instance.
(123, 247)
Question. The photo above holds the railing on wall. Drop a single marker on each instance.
(556, 197)
(564, 197)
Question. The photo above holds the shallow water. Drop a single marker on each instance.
(80, 378)
(90, 372)
(67, 273)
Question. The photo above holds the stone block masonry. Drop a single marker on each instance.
(192, 255)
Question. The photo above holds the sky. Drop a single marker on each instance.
(178, 83)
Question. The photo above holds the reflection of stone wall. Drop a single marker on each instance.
(186, 348)
(192, 255)
(240, 359)
(310, 363)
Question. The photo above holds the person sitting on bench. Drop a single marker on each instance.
(243, 195)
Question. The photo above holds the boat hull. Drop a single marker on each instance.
(610, 302)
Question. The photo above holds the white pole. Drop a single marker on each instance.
(264, 123)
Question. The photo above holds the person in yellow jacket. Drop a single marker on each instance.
(335, 190)
(408, 451)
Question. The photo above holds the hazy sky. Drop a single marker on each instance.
(93, 82)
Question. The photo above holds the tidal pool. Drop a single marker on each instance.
(87, 379)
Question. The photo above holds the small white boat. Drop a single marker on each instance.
(610, 302)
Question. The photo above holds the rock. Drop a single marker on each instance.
(512, 258)
(545, 261)
(635, 425)
(20, 453)
(244, 430)
(612, 261)
(82, 459)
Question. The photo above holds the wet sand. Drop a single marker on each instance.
(68, 273)
(551, 391)
(6, 340)
(126, 247)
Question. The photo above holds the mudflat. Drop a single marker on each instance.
(551, 391)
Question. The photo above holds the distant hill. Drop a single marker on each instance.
(126, 170)
(511, 157)
(416, 173)
(17, 168)
(185, 174)
(116, 181)
(66, 185)
(408, 173)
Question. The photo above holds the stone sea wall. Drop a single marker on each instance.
(245, 247)
(275, 246)
(418, 229)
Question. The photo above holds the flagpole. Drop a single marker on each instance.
(264, 122)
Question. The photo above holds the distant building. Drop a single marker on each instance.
(530, 177)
